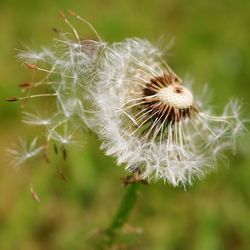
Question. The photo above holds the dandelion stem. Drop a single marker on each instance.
(123, 212)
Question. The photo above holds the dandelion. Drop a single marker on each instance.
(145, 114)
(149, 120)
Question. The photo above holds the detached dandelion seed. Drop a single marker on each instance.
(23, 151)
(38, 119)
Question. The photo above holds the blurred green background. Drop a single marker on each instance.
(212, 45)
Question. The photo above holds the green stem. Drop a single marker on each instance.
(126, 206)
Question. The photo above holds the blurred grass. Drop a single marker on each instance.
(212, 44)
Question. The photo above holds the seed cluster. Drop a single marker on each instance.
(165, 102)
(126, 94)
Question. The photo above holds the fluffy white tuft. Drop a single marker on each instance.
(188, 148)
(170, 134)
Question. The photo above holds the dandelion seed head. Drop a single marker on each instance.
(149, 120)
(147, 117)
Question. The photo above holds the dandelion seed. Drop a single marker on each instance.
(23, 151)
(62, 175)
(30, 55)
(34, 194)
(38, 119)
(26, 85)
(12, 99)
(65, 137)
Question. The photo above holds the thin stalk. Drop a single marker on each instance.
(123, 212)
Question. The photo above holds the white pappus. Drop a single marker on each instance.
(143, 112)
(150, 121)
